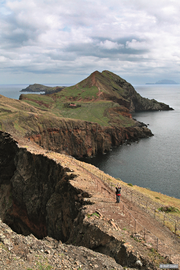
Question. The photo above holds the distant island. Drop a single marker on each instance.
(42, 88)
(164, 82)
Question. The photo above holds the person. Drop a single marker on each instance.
(118, 194)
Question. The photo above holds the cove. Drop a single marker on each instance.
(152, 162)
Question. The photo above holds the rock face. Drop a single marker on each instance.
(20, 252)
(33, 190)
(82, 139)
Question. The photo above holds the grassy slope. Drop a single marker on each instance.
(91, 96)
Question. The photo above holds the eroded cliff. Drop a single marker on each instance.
(36, 196)
(82, 139)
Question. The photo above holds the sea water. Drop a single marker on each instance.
(12, 90)
(152, 162)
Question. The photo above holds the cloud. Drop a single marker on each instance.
(109, 45)
(66, 37)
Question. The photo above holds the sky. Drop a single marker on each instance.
(63, 42)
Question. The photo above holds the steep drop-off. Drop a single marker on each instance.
(82, 139)
(36, 196)
(51, 194)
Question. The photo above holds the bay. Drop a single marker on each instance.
(154, 162)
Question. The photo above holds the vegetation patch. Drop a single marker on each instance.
(93, 214)
(169, 209)
(129, 184)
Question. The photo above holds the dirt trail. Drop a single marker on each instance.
(130, 217)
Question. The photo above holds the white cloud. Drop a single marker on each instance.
(137, 45)
(109, 45)
(68, 37)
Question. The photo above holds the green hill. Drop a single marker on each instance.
(80, 120)
(104, 98)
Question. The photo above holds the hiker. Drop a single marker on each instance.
(118, 194)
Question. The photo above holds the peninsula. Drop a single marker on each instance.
(89, 117)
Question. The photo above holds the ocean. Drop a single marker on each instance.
(152, 163)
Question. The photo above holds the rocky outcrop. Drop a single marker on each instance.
(128, 97)
(36, 196)
(139, 104)
(20, 252)
(82, 139)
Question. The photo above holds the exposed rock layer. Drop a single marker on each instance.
(81, 139)
(39, 195)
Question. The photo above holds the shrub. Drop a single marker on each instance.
(129, 184)
(169, 209)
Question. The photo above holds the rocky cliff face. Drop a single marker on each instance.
(36, 196)
(82, 139)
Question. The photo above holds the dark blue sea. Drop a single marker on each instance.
(152, 162)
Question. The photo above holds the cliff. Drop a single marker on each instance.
(82, 139)
(53, 195)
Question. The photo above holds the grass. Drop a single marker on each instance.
(92, 112)
(100, 112)
(79, 92)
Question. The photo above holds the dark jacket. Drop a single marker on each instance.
(118, 191)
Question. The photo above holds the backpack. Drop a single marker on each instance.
(118, 190)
